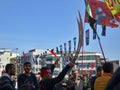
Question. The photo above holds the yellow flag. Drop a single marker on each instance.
(113, 5)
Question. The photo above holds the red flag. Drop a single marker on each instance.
(108, 19)
(53, 53)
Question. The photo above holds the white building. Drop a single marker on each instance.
(5, 57)
(86, 62)
(40, 58)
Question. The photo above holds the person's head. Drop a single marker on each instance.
(75, 73)
(84, 77)
(10, 69)
(108, 67)
(99, 71)
(46, 73)
(27, 67)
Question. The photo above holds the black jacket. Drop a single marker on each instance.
(6, 83)
(25, 81)
(49, 84)
(72, 86)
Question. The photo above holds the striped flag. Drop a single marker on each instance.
(91, 20)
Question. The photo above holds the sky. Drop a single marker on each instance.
(47, 24)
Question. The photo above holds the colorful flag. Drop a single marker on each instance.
(87, 37)
(91, 20)
(113, 5)
(105, 18)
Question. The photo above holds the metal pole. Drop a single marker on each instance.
(101, 47)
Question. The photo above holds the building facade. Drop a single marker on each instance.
(86, 62)
(5, 57)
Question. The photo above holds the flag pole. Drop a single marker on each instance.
(93, 21)
(101, 46)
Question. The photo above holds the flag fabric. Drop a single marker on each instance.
(92, 23)
(52, 52)
(66, 62)
(57, 51)
(87, 36)
(94, 35)
(65, 48)
(113, 5)
(103, 30)
(69, 43)
(74, 40)
(35, 60)
(88, 9)
(105, 17)
(88, 66)
(92, 66)
(25, 57)
(42, 55)
(61, 49)
(91, 20)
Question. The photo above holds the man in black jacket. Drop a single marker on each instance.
(27, 79)
(6, 82)
(47, 82)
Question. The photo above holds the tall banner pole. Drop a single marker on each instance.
(101, 47)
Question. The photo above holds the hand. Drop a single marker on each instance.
(64, 84)
(71, 64)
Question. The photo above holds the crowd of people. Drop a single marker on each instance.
(104, 79)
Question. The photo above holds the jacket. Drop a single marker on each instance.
(49, 84)
(6, 83)
(102, 81)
